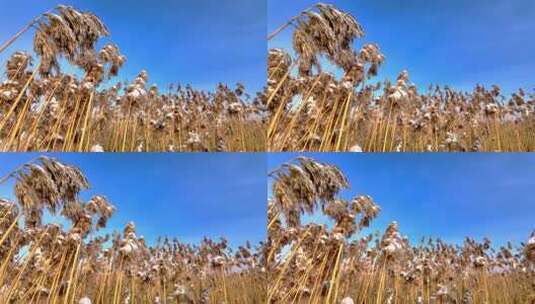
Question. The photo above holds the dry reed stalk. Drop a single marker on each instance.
(312, 263)
(388, 116)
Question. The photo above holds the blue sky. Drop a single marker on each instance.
(180, 195)
(202, 42)
(442, 195)
(450, 42)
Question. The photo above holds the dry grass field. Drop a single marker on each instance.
(44, 262)
(311, 109)
(341, 263)
(43, 108)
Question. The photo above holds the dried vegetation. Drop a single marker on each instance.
(341, 263)
(311, 109)
(42, 108)
(44, 262)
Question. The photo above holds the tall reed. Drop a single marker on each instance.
(43, 262)
(311, 109)
(341, 262)
(44, 108)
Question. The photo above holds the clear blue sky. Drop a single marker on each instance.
(180, 195)
(442, 195)
(449, 42)
(202, 42)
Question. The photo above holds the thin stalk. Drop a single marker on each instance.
(342, 127)
(19, 97)
(87, 115)
(21, 32)
(71, 276)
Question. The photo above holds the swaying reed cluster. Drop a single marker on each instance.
(46, 263)
(45, 109)
(339, 263)
(312, 110)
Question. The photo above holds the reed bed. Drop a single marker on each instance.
(342, 263)
(311, 109)
(47, 263)
(43, 108)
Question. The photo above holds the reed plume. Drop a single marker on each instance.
(44, 262)
(342, 262)
(42, 108)
(311, 109)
